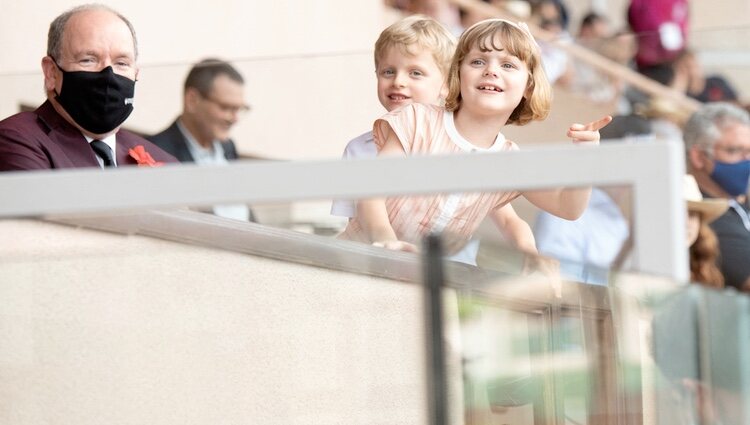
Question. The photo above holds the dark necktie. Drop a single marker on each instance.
(104, 151)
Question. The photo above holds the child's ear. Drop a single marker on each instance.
(444, 91)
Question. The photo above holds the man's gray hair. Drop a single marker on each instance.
(57, 28)
(705, 125)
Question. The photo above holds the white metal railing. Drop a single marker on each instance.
(653, 171)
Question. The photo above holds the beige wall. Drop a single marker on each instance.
(719, 15)
(308, 65)
(97, 328)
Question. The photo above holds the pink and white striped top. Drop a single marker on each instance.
(429, 130)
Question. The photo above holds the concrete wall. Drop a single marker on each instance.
(102, 328)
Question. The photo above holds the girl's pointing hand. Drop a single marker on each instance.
(589, 132)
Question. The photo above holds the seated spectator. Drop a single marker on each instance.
(595, 34)
(588, 246)
(551, 10)
(549, 15)
(686, 75)
(694, 82)
(717, 139)
(213, 99)
(701, 240)
(661, 27)
(594, 28)
(89, 78)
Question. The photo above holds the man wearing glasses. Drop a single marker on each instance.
(213, 101)
(717, 138)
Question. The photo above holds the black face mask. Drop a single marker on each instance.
(97, 101)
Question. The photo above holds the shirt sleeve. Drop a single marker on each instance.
(361, 146)
(343, 208)
(402, 122)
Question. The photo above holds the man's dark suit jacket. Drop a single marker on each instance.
(42, 139)
(173, 141)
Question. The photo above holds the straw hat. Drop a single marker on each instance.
(710, 208)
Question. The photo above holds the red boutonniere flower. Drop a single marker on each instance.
(143, 158)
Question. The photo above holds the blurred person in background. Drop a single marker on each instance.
(591, 245)
(551, 16)
(717, 140)
(661, 27)
(702, 243)
(695, 83)
(213, 101)
(596, 34)
(594, 28)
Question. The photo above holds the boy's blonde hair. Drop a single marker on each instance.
(535, 104)
(418, 31)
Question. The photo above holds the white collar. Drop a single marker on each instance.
(465, 145)
(202, 155)
(740, 212)
(111, 141)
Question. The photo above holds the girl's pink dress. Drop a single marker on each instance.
(429, 130)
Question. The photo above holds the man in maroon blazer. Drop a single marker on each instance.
(89, 76)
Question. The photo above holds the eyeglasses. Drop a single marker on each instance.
(228, 108)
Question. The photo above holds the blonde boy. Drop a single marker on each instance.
(412, 59)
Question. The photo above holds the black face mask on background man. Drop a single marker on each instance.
(97, 101)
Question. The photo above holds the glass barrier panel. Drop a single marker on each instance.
(646, 351)
(169, 302)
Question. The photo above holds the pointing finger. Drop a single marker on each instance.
(599, 124)
(577, 127)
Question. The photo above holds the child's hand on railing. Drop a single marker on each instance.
(588, 133)
(397, 246)
(549, 267)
